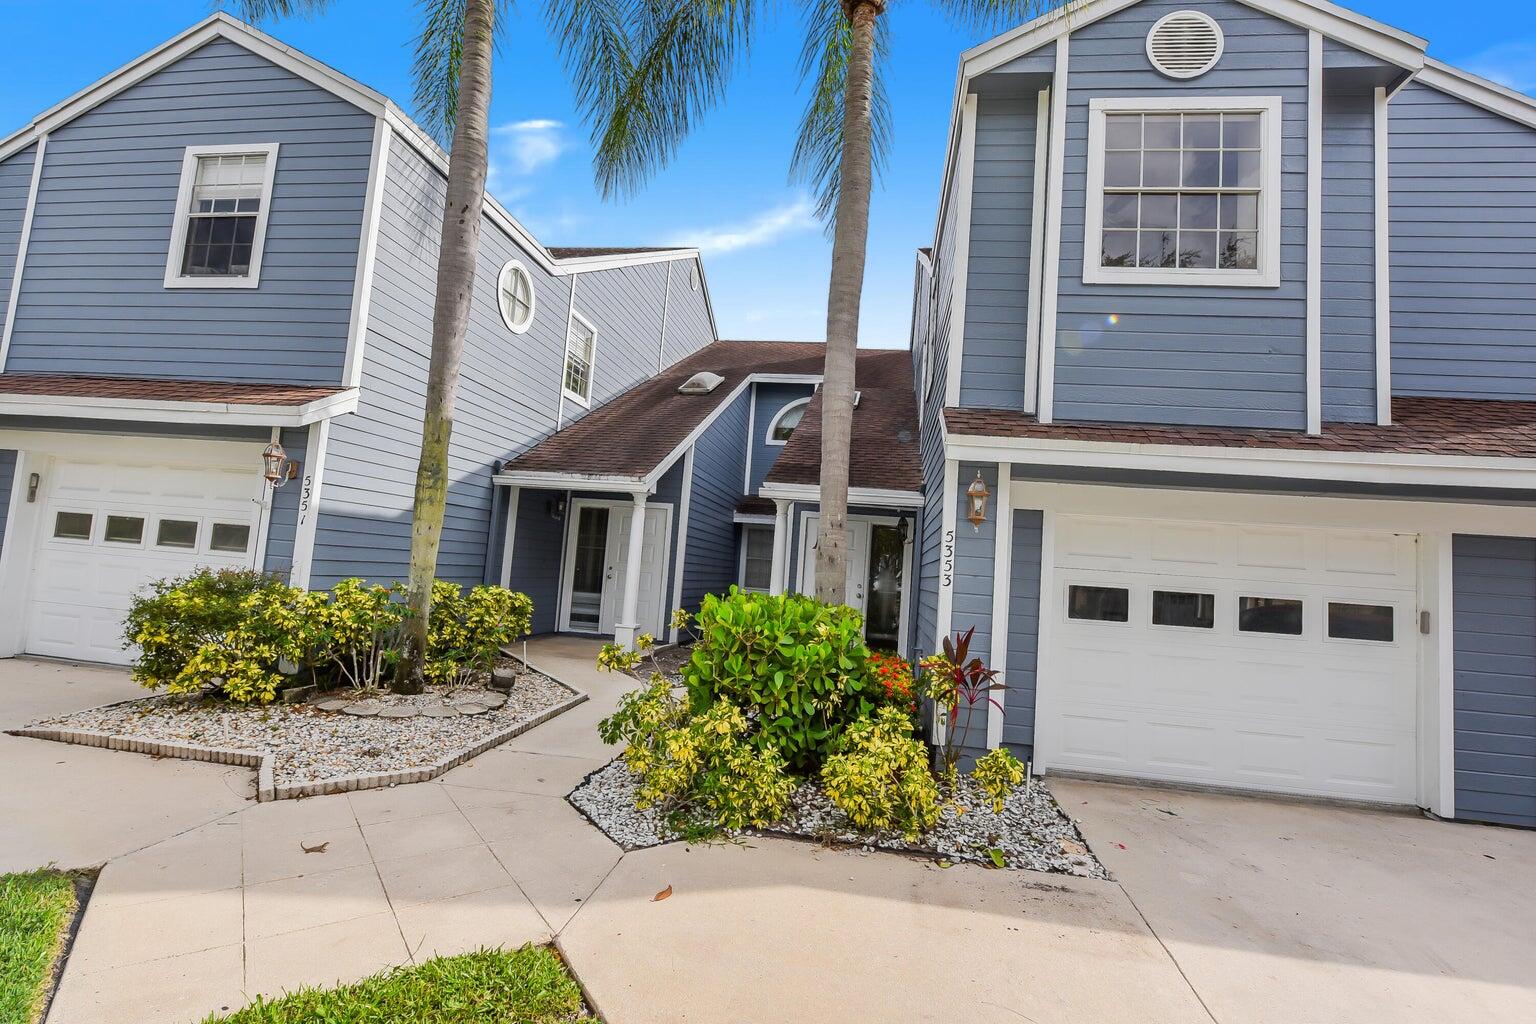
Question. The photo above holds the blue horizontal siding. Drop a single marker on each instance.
(1349, 257)
(1023, 633)
(15, 185)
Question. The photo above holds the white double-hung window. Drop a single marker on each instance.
(221, 217)
(1183, 191)
(580, 354)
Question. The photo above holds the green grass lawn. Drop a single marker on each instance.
(528, 986)
(36, 908)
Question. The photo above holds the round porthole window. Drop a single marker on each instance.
(1185, 44)
(514, 293)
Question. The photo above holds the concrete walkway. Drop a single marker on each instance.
(1224, 909)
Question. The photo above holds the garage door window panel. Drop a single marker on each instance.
(75, 526)
(1098, 604)
(1371, 623)
(230, 537)
(1281, 616)
(1183, 609)
(179, 534)
(127, 530)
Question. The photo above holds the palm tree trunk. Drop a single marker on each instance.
(849, 240)
(450, 315)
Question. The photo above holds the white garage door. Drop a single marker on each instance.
(1254, 657)
(108, 529)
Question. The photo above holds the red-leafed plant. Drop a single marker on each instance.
(896, 682)
(957, 683)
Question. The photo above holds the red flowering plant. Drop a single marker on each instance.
(956, 683)
(894, 680)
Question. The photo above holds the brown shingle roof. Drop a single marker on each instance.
(572, 252)
(1421, 426)
(58, 385)
(630, 435)
(884, 450)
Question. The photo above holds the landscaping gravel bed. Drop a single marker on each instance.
(1031, 832)
(308, 743)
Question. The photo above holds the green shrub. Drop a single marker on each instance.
(279, 624)
(467, 630)
(879, 776)
(698, 766)
(362, 630)
(796, 666)
(998, 774)
(176, 617)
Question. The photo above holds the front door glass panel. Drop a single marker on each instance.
(882, 617)
(590, 568)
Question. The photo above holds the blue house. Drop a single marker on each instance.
(1231, 313)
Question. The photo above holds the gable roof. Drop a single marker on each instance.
(222, 26)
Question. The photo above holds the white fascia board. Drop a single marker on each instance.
(856, 495)
(552, 481)
(752, 520)
(1479, 92)
(216, 26)
(152, 411)
(584, 264)
(1395, 468)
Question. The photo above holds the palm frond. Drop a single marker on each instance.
(824, 63)
(990, 15)
(257, 11)
(646, 71)
(439, 51)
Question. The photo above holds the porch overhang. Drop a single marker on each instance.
(59, 396)
(552, 481)
(872, 496)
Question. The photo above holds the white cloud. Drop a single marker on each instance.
(520, 148)
(1512, 64)
(764, 229)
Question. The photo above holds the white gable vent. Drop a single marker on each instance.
(701, 383)
(1185, 44)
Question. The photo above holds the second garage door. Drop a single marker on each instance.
(1254, 657)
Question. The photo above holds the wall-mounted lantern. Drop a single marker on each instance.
(556, 509)
(279, 468)
(976, 497)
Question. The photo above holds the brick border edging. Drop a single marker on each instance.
(266, 788)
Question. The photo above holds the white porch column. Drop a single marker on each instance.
(780, 545)
(627, 627)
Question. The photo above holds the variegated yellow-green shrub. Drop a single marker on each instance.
(699, 766)
(467, 630)
(174, 618)
(879, 775)
(278, 624)
(998, 774)
(615, 657)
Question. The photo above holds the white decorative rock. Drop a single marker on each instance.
(400, 712)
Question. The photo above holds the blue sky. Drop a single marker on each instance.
(728, 190)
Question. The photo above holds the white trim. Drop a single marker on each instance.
(1270, 200)
(746, 473)
(872, 496)
(310, 485)
(799, 403)
(681, 555)
(515, 266)
(1210, 22)
(609, 261)
(362, 286)
(1396, 468)
(585, 401)
(159, 411)
(548, 480)
(666, 302)
(751, 519)
(1478, 91)
(21, 250)
(1443, 627)
(1314, 376)
(189, 163)
(1051, 282)
(509, 538)
(1002, 590)
(570, 311)
(11, 545)
(944, 607)
(960, 255)
(782, 527)
(741, 557)
(1036, 243)
(1381, 225)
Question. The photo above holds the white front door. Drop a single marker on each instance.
(653, 562)
(107, 529)
(1255, 657)
(597, 566)
(858, 561)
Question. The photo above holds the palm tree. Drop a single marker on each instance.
(453, 98)
(646, 70)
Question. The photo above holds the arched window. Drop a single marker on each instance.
(786, 421)
(514, 293)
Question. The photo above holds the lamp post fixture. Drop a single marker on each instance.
(976, 499)
(279, 468)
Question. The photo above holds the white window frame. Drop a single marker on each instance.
(516, 266)
(741, 567)
(768, 438)
(1267, 274)
(585, 401)
(189, 161)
